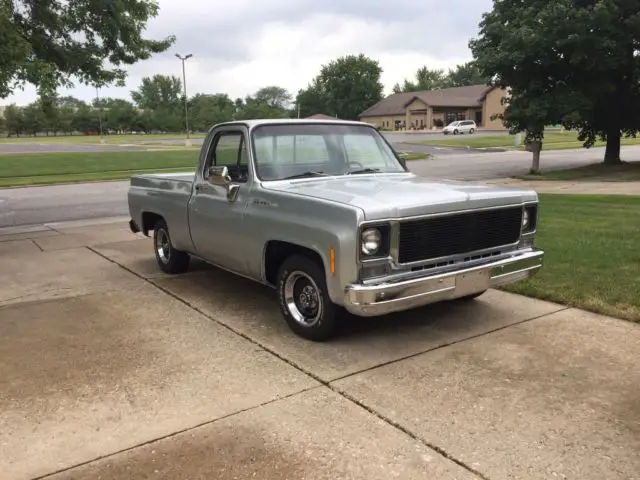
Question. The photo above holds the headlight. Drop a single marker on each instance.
(529, 218)
(525, 219)
(371, 239)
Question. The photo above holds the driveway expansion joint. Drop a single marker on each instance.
(322, 382)
(176, 433)
(448, 344)
(36, 244)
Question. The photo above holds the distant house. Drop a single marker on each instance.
(321, 116)
(436, 108)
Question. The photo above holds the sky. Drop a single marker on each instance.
(243, 45)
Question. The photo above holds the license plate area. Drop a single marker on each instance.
(469, 283)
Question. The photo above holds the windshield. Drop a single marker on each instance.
(315, 149)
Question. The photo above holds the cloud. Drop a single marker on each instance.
(243, 45)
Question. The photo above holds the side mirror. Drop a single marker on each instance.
(220, 177)
(217, 175)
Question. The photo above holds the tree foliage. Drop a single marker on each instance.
(425, 80)
(208, 110)
(311, 101)
(462, 75)
(47, 43)
(344, 87)
(569, 62)
(274, 97)
(159, 108)
(159, 91)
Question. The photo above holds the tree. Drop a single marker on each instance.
(274, 96)
(462, 75)
(311, 101)
(425, 80)
(466, 74)
(34, 118)
(253, 107)
(119, 114)
(46, 43)
(573, 62)
(14, 120)
(159, 91)
(208, 110)
(350, 85)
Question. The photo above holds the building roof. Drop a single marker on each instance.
(471, 96)
(321, 116)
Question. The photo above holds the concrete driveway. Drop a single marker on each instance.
(110, 369)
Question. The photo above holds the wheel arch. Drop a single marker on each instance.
(148, 220)
(277, 251)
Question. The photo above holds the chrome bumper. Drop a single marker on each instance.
(383, 298)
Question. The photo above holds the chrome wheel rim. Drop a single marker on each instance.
(302, 298)
(163, 246)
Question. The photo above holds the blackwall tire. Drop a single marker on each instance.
(304, 300)
(170, 259)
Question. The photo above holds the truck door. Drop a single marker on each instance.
(216, 223)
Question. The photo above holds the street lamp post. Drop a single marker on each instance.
(99, 114)
(184, 85)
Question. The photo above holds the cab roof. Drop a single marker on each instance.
(289, 121)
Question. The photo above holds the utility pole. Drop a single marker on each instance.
(99, 114)
(298, 109)
(184, 85)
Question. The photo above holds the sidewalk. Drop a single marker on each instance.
(111, 369)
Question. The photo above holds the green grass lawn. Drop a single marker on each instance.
(625, 172)
(95, 139)
(414, 156)
(552, 141)
(52, 168)
(592, 254)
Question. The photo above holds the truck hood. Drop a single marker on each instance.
(403, 195)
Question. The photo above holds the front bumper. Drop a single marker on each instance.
(384, 298)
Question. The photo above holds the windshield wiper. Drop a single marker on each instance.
(306, 174)
(364, 170)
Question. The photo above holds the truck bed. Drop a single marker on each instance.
(166, 195)
(162, 181)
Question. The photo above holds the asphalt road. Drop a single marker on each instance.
(34, 205)
(399, 139)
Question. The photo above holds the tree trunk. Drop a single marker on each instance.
(612, 152)
(535, 164)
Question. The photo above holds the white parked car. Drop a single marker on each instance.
(459, 127)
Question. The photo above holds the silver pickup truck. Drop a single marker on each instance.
(328, 214)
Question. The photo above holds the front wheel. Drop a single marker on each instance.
(170, 259)
(304, 301)
(455, 132)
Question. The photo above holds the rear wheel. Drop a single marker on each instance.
(304, 301)
(170, 259)
(472, 131)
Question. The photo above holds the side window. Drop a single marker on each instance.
(227, 149)
(230, 150)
